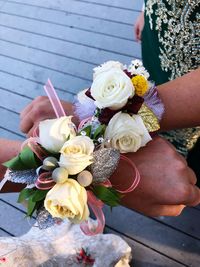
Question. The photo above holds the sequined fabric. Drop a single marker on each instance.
(180, 39)
(174, 30)
(183, 139)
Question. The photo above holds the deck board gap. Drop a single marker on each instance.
(145, 245)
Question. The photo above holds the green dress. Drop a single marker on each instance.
(171, 48)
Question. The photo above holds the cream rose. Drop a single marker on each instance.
(67, 200)
(112, 89)
(127, 133)
(76, 154)
(54, 133)
(106, 67)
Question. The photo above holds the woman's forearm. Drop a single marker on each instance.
(8, 150)
(181, 98)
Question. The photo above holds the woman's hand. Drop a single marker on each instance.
(40, 109)
(138, 27)
(167, 184)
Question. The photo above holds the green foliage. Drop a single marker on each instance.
(99, 131)
(31, 206)
(25, 194)
(108, 195)
(39, 195)
(35, 198)
(87, 130)
(24, 161)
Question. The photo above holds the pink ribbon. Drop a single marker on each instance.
(53, 97)
(83, 122)
(33, 144)
(96, 206)
(135, 176)
(44, 181)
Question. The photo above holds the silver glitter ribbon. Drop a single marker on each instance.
(105, 163)
(23, 177)
(45, 220)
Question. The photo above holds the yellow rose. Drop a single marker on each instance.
(76, 154)
(68, 200)
(140, 84)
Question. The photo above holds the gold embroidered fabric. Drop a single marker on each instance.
(178, 25)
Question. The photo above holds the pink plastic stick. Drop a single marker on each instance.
(96, 206)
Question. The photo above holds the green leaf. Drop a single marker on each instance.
(14, 164)
(25, 194)
(108, 195)
(31, 206)
(87, 130)
(24, 161)
(39, 195)
(99, 131)
(28, 158)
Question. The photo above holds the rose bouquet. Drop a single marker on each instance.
(67, 169)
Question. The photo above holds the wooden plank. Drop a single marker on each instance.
(144, 256)
(10, 121)
(166, 240)
(24, 87)
(37, 73)
(2, 3)
(187, 222)
(8, 100)
(4, 233)
(107, 43)
(87, 9)
(53, 62)
(11, 198)
(60, 47)
(71, 20)
(10, 217)
(8, 135)
(126, 4)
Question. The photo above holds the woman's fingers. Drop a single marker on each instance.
(165, 210)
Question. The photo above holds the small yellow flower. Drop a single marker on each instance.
(140, 84)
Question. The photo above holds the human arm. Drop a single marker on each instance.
(139, 25)
(8, 150)
(167, 184)
(161, 191)
(40, 109)
(181, 98)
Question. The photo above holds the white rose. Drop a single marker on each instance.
(112, 89)
(68, 200)
(55, 132)
(127, 133)
(106, 67)
(76, 154)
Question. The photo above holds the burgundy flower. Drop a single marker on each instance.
(84, 257)
(132, 107)
(106, 115)
(88, 94)
(3, 259)
(128, 74)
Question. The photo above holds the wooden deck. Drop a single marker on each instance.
(64, 40)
